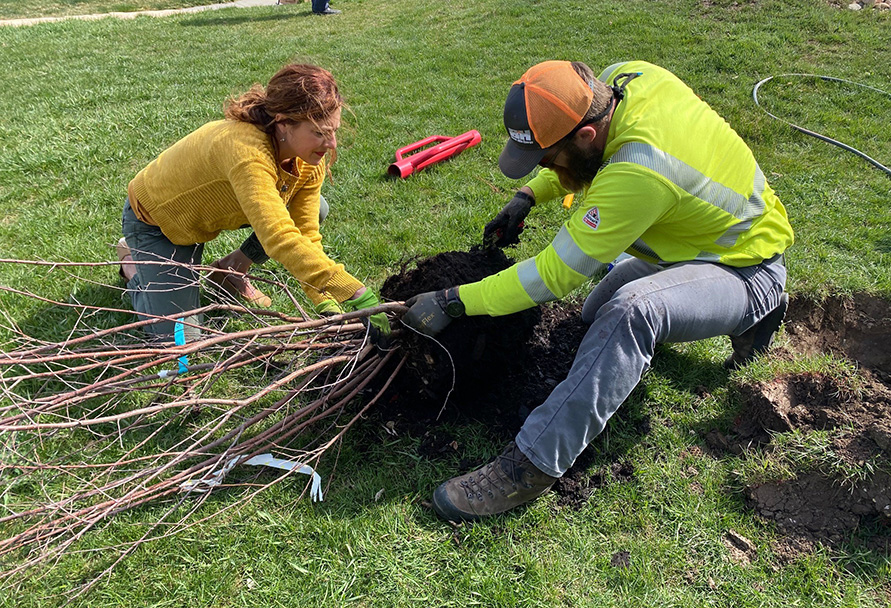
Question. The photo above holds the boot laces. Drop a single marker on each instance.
(494, 477)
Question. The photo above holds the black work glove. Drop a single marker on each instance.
(431, 312)
(505, 229)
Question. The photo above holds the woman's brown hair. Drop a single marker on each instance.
(298, 91)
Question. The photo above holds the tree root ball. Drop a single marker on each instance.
(473, 351)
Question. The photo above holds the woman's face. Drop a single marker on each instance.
(306, 140)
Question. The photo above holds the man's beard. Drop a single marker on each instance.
(583, 166)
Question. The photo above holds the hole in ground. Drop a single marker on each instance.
(857, 327)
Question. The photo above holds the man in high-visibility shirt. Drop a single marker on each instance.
(658, 175)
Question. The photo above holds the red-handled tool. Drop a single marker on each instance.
(446, 147)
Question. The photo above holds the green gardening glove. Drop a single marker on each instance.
(328, 308)
(380, 325)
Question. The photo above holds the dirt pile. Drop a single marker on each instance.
(492, 370)
(848, 486)
(845, 488)
(464, 361)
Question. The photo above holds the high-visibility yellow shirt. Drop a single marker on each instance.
(677, 184)
(223, 176)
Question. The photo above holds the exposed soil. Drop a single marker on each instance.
(829, 504)
(500, 369)
(858, 328)
(496, 370)
(471, 352)
(503, 368)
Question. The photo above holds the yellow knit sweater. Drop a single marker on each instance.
(224, 175)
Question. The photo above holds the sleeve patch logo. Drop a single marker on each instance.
(592, 218)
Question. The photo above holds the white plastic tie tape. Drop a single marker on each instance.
(205, 485)
(315, 489)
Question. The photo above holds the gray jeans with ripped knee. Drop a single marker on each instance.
(634, 307)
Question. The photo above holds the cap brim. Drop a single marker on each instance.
(516, 162)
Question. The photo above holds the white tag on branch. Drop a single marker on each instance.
(315, 490)
(215, 479)
(205, 485)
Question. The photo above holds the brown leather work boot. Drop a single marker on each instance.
(507, 482)
(758, 338)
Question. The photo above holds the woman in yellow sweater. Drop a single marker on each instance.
(262, 166)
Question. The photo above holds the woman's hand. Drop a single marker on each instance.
(237, 284)
(379, 324)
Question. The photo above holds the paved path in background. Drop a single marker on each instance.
(133, 14)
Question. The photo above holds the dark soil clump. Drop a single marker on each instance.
(503, 368)
(473, 351)
(577, 484)
(491, 369)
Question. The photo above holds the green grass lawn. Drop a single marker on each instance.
(23, 9)
(85, 105)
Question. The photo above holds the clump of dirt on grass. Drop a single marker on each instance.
(494, 370)
(577, 484)
(503, 368)
(828, 505)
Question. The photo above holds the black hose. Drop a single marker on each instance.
(817, 135)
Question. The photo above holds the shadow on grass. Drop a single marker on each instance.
(218, 20)
(883, 244)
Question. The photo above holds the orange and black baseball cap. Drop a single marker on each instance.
(542, 108)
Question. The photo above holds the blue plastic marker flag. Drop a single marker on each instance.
(179, 337)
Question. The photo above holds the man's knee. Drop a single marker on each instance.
(624, 273)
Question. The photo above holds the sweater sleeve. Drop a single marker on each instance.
(255, 184)
(303, 206)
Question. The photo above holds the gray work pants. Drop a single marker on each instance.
(159, 288)
(634, 307)
(166, 289)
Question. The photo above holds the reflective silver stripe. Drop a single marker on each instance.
(641, 247)
(728, 239)
(605, 73)
(707, 256)
(532, 282)
(700, 185)
(755, 207)
(573, 256)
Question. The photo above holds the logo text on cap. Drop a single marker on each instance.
(521, 136)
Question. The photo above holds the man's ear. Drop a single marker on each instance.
(586, 135)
